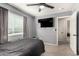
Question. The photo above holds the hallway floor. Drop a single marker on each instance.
(62, 50)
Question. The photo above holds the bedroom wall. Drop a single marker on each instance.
(31, 27)
(49, 34)
(30, 21)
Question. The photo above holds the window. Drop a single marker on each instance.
(15, 23)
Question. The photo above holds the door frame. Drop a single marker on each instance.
(77, 32)
(58, 23)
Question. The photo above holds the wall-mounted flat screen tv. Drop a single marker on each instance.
(47, 22)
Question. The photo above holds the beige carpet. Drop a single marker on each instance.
(62, 50)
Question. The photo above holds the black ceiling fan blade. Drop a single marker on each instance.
(39, 4)
(33, 4)
(46, 5)
(36, 4)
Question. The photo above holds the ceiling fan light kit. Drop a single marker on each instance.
(41, 6)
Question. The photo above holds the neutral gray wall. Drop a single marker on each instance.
(31, 27)
(49, 34)
(66, 13)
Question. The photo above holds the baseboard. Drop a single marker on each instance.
(46, 43)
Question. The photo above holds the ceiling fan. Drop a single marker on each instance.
(41, 6)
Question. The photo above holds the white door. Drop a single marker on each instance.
(73, 33)
(62, 28)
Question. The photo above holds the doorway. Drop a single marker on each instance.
(72, 42)
(68, 31)
(63, 29)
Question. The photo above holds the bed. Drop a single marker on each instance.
(24, 47)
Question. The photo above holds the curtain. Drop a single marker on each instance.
(3, 25)
(25, 28)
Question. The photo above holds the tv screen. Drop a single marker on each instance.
(47, 22)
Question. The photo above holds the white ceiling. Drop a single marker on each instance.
(33, 10)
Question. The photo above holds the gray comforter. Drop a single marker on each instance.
(30, 47)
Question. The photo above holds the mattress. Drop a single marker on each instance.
(24, 47)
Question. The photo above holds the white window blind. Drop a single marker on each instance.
(15, 23)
